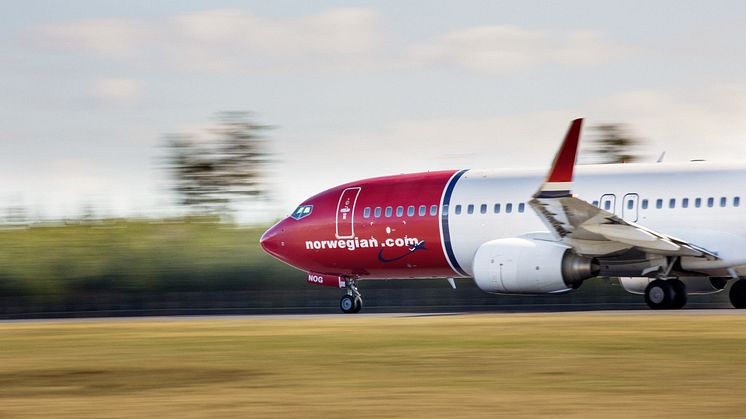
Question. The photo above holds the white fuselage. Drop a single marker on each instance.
(700, 202)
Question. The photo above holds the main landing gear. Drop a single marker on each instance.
(666, 294)
(352, 302)
(738, 294)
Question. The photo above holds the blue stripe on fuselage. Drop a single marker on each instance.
(444, 223)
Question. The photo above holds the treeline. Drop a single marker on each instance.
(198, 265)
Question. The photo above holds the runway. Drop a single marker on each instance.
(725, 311)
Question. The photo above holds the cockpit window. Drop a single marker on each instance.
(302, 212)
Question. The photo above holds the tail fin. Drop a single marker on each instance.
(558, 182)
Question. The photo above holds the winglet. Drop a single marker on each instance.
(559, 180)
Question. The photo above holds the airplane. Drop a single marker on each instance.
(665, 230)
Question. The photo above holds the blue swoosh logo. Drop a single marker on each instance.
(416, 247)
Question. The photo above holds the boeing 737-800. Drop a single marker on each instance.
(666, 230)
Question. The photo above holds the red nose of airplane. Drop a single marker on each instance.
(273, 240)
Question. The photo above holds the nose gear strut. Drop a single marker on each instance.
(353, 301)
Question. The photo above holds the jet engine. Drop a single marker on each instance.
(529, 266)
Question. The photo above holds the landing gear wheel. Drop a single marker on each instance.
(347, 304)
(358, 305)
(659, 295)
(680, 295)
(738, 294)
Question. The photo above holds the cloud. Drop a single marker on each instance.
(111, 38)
(118, 91)
(339, 39)
(227, 40)
(505, 49)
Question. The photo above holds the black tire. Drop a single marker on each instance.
(738, 294)
(347, 304)
(680, 296)
(659, 295)
(358, 305)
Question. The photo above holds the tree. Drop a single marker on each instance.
(208, 175)
(612, 143)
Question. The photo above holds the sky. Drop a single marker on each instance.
(353, 89)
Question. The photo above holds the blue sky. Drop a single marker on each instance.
(354, 89)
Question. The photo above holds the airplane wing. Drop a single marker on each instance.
(590, 230)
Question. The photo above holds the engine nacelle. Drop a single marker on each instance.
(526, 266)
(694, 284)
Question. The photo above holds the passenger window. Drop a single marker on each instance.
(508, 208)
(685, 203)
(659, 203)
(434, 210)
(710, 202)
(723, 201)
(521, 207)
(736, 201)
(483, 209)
(630, 204)
(644, 204)
(399, 211)
(672, 203)
(410, 211)
(389, 211)
(458, 209)
(366, 212)
(470, 209)
(607, 205)
(497, 208)
(423, 210)
(377, 212)
(698, 202)
(595, 203)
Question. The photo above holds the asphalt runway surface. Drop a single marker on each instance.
(284, 316)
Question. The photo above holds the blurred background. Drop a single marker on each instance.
(144, 146)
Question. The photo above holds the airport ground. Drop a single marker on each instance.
(593, 364)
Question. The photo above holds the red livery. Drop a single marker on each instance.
(326, 280)
(344, 231)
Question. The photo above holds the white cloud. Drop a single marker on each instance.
(228, 40)
(339, 39)
(118, 91)
(111, 38)
(504, 49)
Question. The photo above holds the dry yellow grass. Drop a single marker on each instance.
(599, 365)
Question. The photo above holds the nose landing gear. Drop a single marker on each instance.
(352, 302)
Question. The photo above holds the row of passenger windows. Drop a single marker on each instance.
(672, 202)
(497, 208)
(508, 208)
(411, 211)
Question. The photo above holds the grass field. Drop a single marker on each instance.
(599, 365)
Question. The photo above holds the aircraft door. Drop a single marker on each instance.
(608, 203)
(346, 213)
(630, 204)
